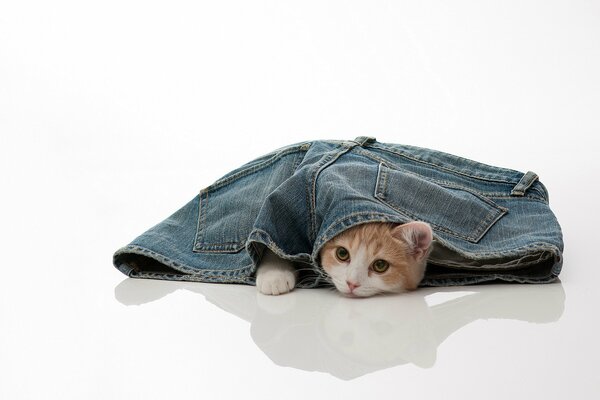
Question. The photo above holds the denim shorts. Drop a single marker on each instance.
(489, 223)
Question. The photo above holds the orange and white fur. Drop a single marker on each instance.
(365, 260)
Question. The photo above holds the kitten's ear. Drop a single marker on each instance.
(417, 234)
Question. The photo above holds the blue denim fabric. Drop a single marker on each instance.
(489, 223)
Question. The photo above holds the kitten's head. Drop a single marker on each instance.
(377, 257)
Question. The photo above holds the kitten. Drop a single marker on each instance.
(367, 259)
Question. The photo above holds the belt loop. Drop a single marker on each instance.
(525, 183)
(362, 140)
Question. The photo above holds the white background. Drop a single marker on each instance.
(114, 114)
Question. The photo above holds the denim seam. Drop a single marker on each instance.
(391, 165)
(278, 251)
(528, 196)
(193, 278)
(519, 250)
(224, 247)
(545, 255)
(486, 223)
(275, 248)
(381, 184)
(481, 195)
(533, 188)
(460, 281)
(180, 267)
(446, 168)
(298, 160)
(321, 165)
(270, 243)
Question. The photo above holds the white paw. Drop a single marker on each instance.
(275, 281)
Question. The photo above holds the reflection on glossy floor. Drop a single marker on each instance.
(319, 330)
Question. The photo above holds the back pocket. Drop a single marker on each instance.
(447, 208)
(228, 208)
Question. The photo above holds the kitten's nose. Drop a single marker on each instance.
(352, 285)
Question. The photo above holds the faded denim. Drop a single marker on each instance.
(489, 223)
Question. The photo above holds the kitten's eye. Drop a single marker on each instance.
(380, 266)
(342, 254)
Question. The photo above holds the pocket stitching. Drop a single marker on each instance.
(238, 245)
(450, 169)
(478, 232)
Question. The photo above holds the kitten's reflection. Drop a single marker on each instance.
(320, 330)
